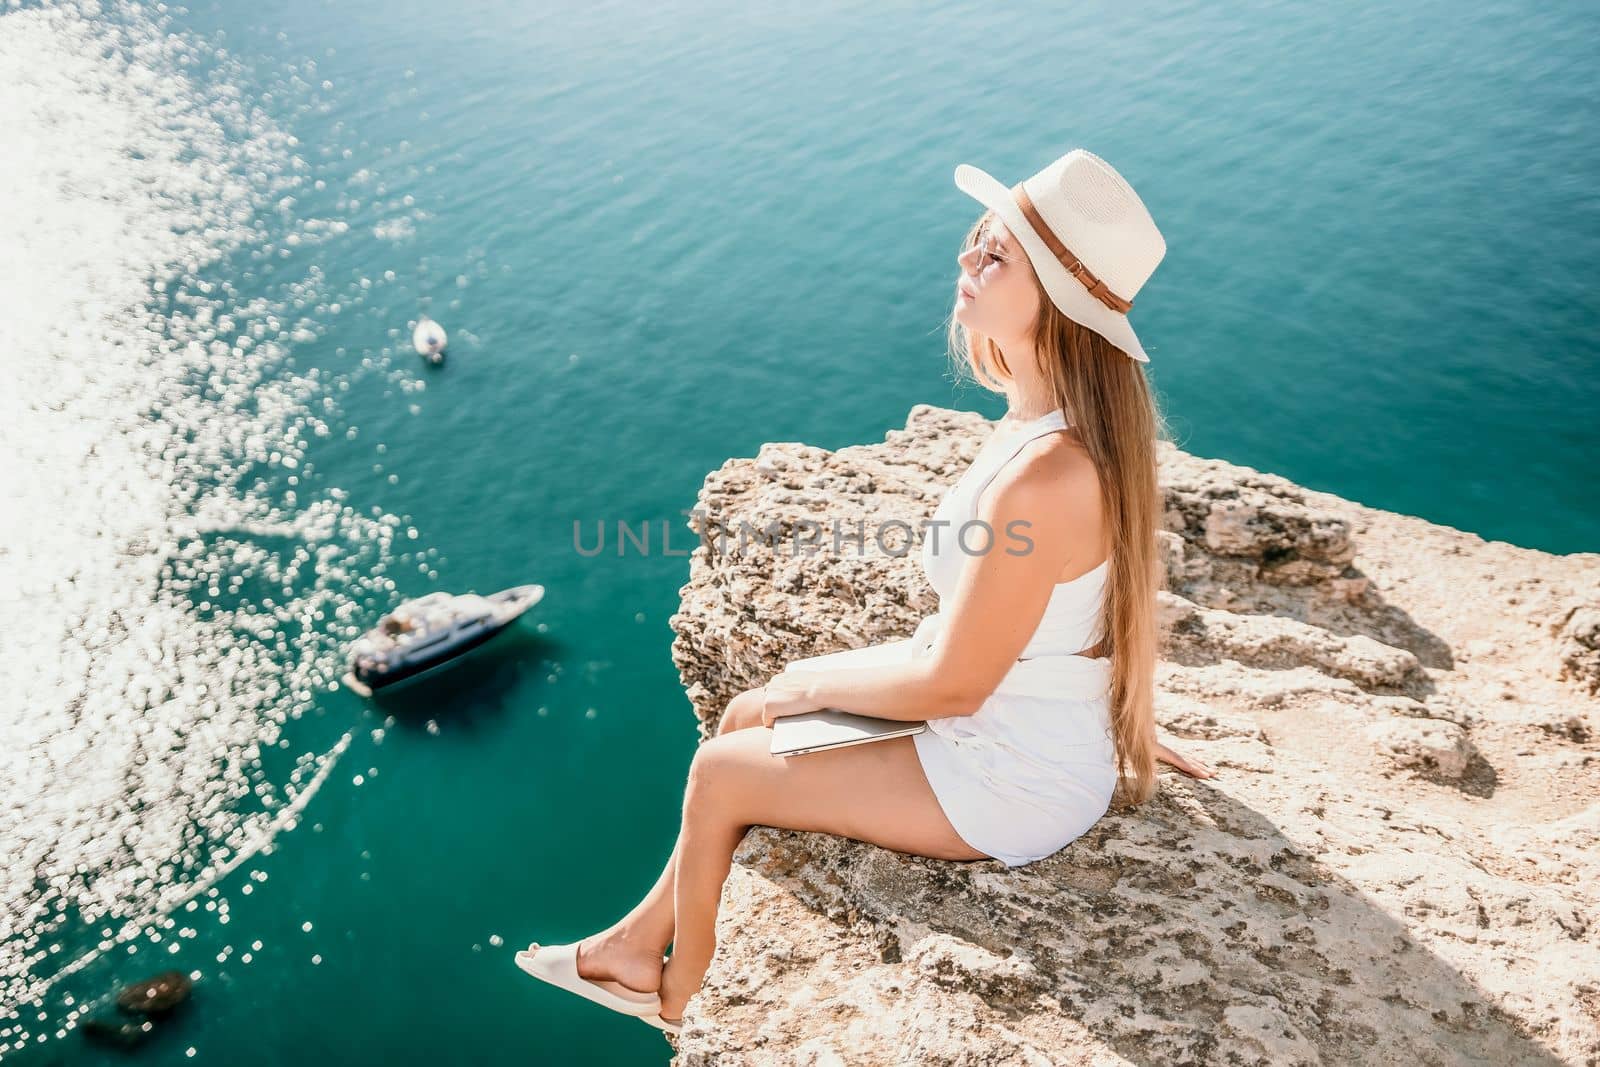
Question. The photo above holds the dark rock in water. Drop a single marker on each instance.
(117, 1033)
(152, 998)
(158, 995)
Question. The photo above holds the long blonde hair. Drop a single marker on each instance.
(1111, 406)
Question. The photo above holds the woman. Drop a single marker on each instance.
(1036, 673)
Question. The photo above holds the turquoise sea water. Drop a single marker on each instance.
(659, 236)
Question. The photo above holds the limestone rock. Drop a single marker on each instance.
(1579, 633)
(1309, 904)
(1428, 744)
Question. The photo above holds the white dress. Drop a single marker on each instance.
(1034, 767)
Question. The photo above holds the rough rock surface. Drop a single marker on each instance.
(1396, 863)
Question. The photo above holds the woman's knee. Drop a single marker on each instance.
(711, 773)
(742, 712)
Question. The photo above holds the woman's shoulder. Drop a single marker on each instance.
(1049, 467)
(1053, 481)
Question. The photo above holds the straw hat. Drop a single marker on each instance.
(1088, 235)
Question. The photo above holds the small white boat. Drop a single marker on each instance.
(429, 340)
(431, 631)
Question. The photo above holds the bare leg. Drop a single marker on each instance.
(630, 950)
(875, 793)
(711, 842)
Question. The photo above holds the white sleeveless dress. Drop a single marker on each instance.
(1035, 766)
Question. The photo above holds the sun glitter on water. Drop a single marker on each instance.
(177, 577)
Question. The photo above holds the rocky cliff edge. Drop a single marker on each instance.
(1395, 863)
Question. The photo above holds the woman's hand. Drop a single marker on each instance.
(786, 695)
(1192, 767)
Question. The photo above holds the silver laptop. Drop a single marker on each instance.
(794, 735)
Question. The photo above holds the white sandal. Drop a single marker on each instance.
(558, 965)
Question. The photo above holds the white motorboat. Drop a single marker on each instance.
(429, 340)
(431, 631)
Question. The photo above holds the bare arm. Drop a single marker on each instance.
(999, 600)
(909, 691)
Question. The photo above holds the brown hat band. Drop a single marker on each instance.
(1074, 265)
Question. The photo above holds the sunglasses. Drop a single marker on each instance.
(988, 251)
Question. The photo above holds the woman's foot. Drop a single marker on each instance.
(675, 990)
(614, 955)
